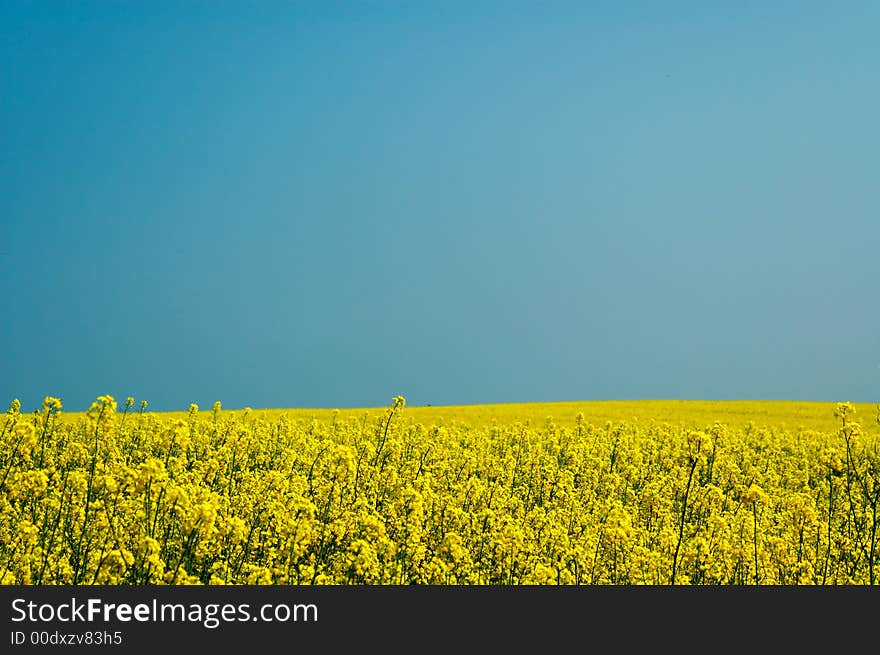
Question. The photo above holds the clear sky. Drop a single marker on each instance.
(317, 204)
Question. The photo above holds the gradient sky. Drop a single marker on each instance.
(316, 204)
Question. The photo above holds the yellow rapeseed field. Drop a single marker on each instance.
(626, 492)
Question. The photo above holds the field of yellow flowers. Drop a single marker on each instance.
(632, 493)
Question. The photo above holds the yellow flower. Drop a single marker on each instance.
(755, 495)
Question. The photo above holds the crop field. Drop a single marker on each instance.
(615, 492)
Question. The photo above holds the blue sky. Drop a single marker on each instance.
(329, 204)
